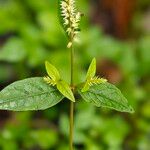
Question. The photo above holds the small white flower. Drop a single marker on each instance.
(69, 45)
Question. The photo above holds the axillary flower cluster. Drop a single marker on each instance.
(70, 19)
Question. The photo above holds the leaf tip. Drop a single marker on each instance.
(46, 62)
(65, 89)
(73, 99)
(94, 60)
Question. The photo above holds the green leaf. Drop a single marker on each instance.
(65, 89)
(85, 87)
(29, 94)
(106, 95)
(92, 69)
(52, 71)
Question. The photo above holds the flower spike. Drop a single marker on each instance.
(70, 18)
(49, 81)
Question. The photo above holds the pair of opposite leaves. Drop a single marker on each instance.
(38, 94)
(64, 88)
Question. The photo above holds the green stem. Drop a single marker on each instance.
(71, 103)
(71, 124)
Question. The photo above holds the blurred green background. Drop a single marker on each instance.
(117, 32)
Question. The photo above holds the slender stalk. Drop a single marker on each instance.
(71, 124)
(71, 103)
(72, 66)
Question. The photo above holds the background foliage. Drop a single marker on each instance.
(30, 34)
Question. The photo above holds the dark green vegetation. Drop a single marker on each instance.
(30, 29)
